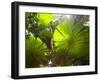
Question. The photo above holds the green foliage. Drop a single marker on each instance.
(36, 52)
(72, 41)
(45, 19)
(38, 24)
(52, 37)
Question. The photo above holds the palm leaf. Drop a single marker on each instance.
(75, 41)
(35, 52)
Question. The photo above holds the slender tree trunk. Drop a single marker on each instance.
(51, 49)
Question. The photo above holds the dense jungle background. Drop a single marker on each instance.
(55, 40)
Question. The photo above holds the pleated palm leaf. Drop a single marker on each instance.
(71, 44)
(36, 52)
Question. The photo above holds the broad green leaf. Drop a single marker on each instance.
(36, 52)
(45, 19)
(71, 39)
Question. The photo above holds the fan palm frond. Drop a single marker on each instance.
(36, 52)
(73, 40)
